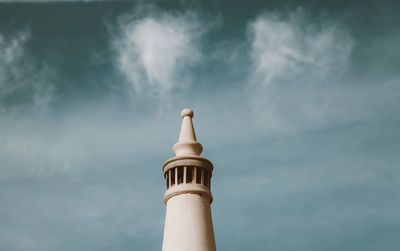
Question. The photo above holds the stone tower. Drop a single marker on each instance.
(188, 223)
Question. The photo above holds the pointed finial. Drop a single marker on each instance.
(187, 112)
(187, 143)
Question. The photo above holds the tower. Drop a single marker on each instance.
(188, 223)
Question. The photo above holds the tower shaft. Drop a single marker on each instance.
(188, 224)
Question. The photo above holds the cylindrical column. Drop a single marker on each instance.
(188, 224)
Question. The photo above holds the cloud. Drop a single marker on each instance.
(26, 90)
(156, 50)
(24, 82)
(12, 52)
(286, 47)
(294, 62)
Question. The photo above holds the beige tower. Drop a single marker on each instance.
(188, 223)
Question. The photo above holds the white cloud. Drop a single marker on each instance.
(11, 53)
(24, 83)
(25, 92)
(293, 60)
(155, 51)
(283, 47)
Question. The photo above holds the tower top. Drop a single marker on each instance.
(187, 112)
(188, 223)
(187, 143)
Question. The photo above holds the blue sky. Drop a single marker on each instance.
(296, 104)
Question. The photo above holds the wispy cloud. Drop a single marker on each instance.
(293, 60)
(26, 90)
(11, 57)
(156, 49)
(24, 82)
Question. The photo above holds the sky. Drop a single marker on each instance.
(296, 104)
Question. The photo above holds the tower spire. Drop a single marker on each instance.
(188, 222)
(187, 143)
